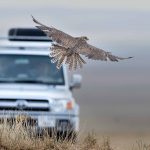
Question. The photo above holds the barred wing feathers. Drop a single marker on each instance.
(56, 35)
(95, 53)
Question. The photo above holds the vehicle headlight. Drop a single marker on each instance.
(61, 105)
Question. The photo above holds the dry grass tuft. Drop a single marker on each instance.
(90, 142)
(106, 144)
(17, 137)
(140, 145)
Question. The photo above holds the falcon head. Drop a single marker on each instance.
(84, 38)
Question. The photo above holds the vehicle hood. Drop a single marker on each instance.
(33, 91)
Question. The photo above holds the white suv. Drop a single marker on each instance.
(30, 85)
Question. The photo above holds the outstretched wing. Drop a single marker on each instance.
(56, 35)
(97, 54)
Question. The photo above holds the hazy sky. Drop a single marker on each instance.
(119, 26)
(106, 20)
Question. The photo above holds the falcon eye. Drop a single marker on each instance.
(86, 38)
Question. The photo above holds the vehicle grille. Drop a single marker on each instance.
(24, 104)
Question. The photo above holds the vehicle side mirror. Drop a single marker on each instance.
(75, 81)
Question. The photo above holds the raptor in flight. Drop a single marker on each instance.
(68, 48)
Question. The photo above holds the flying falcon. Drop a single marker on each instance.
(68, 48)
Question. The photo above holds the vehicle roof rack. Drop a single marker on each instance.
(27, 34)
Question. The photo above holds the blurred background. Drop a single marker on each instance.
(115, 97)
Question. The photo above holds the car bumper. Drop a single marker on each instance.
(42, 120)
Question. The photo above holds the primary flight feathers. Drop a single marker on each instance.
(68, 48)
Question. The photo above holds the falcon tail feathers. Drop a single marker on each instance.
(60, 55)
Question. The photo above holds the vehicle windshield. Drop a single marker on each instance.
(29, 69)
